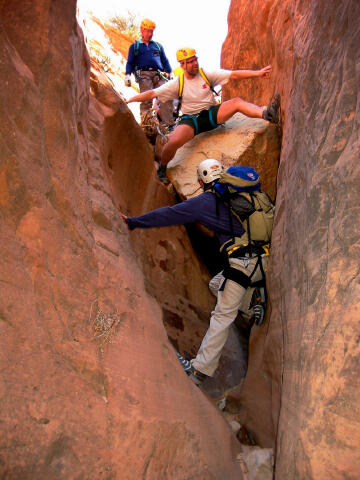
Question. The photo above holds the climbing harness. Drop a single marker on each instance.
(201, 120)
(161, 75)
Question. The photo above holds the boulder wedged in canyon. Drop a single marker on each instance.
(240, 141)
(301, 391)
(90, 385)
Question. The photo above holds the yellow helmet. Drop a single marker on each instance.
(146, 23)
(185, 53)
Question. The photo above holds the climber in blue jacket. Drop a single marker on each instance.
(148, 62)
(232, 294)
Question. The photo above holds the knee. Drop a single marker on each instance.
(222, 318)
(238, 102)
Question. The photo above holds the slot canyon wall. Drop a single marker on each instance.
(90, 384)
(302, 387)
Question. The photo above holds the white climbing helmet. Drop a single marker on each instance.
(209, 170)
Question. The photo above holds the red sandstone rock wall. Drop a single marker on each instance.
(119, 41)
(90, 385)
(302, 389)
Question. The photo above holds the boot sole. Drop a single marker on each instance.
(274, 109)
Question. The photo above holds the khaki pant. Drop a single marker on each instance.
(230, 300)
(148, 80)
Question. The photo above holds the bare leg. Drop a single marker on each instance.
(230, 107)
(181, 135)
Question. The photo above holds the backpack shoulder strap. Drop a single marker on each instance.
(181, 86)
(136, 48)
(158, 46)
(202, 73)
(180, 92)
(136, 52)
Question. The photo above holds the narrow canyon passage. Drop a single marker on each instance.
(90, 313)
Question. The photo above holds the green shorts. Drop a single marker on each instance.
(203, 121)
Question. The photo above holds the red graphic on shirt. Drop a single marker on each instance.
(204, 85)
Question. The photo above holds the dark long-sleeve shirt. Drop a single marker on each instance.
(149, 56)
(201, 209)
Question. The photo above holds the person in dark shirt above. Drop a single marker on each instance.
(232, 285)
(149, 64)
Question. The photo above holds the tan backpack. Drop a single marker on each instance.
(251, 206)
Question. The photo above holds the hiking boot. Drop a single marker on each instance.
(271, 113)
(196, 376)
(259, 313)
(161, 173)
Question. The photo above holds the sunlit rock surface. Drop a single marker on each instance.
(90, 384)
(108, 48)
(301, 392)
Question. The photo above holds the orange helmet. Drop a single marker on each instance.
(146, 23)
(185, 53)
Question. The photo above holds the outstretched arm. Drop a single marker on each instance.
(189, 211)
(241, 74)
(142, 97)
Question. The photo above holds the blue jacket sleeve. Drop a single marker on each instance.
(179, 214)
(165, 62)
(130, 61)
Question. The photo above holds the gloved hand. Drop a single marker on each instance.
(127, 81)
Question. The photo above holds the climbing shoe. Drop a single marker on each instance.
(259, 313)
(161, 173)
(196, 376)
(271, 113)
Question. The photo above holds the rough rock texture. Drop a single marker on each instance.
(90, 385)
(259, 462)
(240, 141)
(302, 388)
